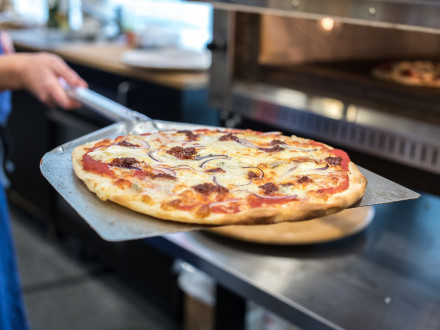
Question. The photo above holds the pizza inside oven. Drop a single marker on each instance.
(414, 73)
(220, 176)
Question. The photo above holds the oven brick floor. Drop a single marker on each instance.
(62, 292)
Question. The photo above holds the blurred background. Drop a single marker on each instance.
(299, 67)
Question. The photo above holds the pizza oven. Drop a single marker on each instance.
(304, 67)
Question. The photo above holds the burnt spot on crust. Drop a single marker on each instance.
(122, 183)
(275, 148)
(127, 144)
(124, 162)
(216, 170)
(276, 142)
(182, 153)
(209, 188)
(203, 211)
(189, 135)
(252, 175)
(228, 137)
(304, 179)
(269, 188)
(172, 205)
(333, 160)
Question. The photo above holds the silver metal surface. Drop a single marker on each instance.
(381, 191)
(220, 71)
(415, 15)
(390, 136)
(105, 106)
(378, 279)
(111, 221)
(116, 223)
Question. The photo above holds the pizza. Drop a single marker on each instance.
(415, 73)
(220, 176)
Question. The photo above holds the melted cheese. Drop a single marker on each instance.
(283, 168)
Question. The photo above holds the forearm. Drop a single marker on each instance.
(39, 73)
(11, 71)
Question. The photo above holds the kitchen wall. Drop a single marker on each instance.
(192, 21)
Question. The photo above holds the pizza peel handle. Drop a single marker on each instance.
(105, 106)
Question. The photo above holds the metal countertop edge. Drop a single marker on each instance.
(294, 313)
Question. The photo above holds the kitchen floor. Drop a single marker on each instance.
(62, 291)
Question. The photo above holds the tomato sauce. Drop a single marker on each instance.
(226, 208)
(91, 165)
(256, 201)
(343, 155)
(333, 190)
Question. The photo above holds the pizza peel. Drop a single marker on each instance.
(116, 223)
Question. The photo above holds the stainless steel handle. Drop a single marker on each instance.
(105, 106)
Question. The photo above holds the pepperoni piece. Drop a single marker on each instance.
(269, 188)
(276, 142)
(216, 170)
(333, 160)
(304, 179)
(127, 144)
(182, 153)
(189, 135)
(275, 148)
(252, 175)
(229, 137)
(209, 188)
(125, 162)
(164, 176)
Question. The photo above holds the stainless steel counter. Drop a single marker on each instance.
(387, 277)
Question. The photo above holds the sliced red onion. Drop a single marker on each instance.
(141, 142)
(213, 158)
(262, 172)
(165, 170)
(179, 167)
(151, 154)
(274, 197)
(209, 156)
(244, 184)
(323, 168)
(248, 143)
(297, 149)
(214, 179)
(293, 168)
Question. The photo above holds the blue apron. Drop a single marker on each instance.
(12, 316)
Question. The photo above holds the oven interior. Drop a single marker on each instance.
(313, 77)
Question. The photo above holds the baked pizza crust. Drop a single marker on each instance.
(105, 189)
(410, 73)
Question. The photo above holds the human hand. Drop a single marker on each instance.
(40, 73)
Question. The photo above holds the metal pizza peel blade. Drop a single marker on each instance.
(116, 223)
(381, 191)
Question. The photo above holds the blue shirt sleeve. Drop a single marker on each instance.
(5, 102)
